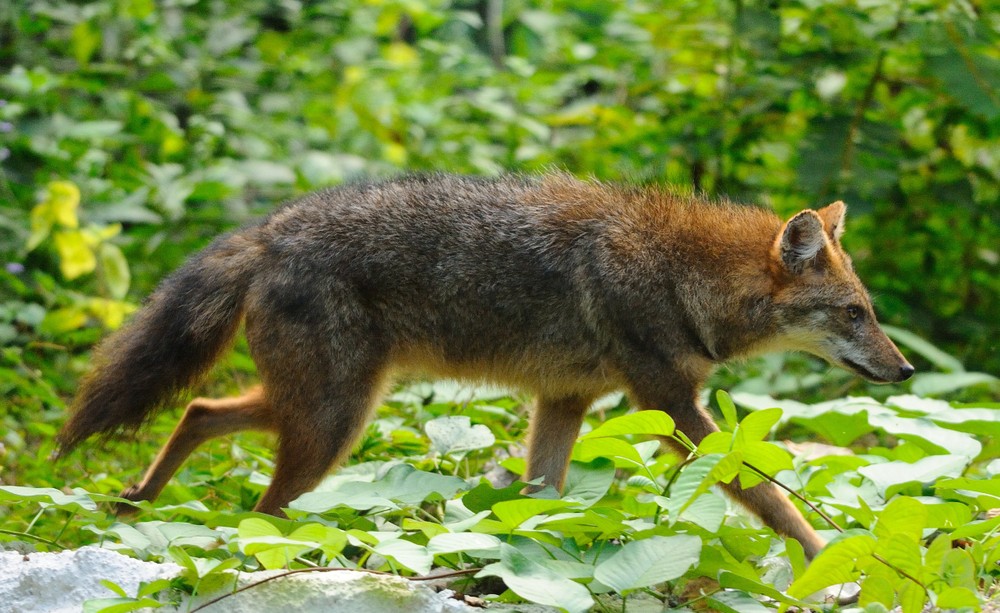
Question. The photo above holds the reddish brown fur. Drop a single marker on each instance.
(564, 288)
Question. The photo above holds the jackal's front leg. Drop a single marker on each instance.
(764, 500)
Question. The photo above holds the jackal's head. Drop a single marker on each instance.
(821, 306)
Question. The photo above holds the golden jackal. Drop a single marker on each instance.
(563, 288)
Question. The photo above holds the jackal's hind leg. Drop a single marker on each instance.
(319, 427)
(555, 424)
(204, 418)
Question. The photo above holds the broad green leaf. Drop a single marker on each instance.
(111, 312)
(984, 486)
(958, 569)
(402, 484)
(457, 434)
(485, 545)
(757, 425)
(412, 556)
(877, 589)
(697, 477)
(655, 423)
(648, 562)
(911, 597)
(484, 496)
(707, 511)
(835, 564)
(904, 516)
(901, 551)
(513, 513)
(254, 527)
(587, 450)
(731, 580)
(47, 495)
(926, 470)
(731, 601)
(764, 456)
(588, 483)
(957, 598)
(536, 583)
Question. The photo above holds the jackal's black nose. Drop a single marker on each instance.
(905, 372)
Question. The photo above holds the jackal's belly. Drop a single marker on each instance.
(538, 370)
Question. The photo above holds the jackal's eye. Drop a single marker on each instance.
(853, 312)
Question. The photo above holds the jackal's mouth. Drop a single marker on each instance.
(864, 372)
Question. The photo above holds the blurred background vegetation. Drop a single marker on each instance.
(133, 131)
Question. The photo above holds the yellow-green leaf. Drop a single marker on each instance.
(64, 199)
(76, 258)
(115, 270)
(640, 422)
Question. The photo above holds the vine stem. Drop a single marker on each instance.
(297, 571)
(834, 524)
(31, 536)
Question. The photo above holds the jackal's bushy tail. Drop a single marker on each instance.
(186, 323)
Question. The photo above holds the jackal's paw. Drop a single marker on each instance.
(130, 493)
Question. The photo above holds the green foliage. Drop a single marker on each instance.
(132, 131)
(630, 524)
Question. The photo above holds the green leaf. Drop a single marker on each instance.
(114, 269)
(957, 598)
(732, 580)
(536, 583)
(649, 561)
(900, 551)
(835, 564)
(904, 516)
(401, 484)
(414, 557)
(757, 425)
(513, 513)
(876, 589)
(728, 408)
(76, 258)
(587, 483)
(926, 470)
(114, 587)
(587, 450)
(457, 434)
(933, 383)
(484, 496)
(933, 355)
(655, 423)
(696, 478)
(70, 502)
(119, 605)
(61, 321)
(764, 456)
(480, 545)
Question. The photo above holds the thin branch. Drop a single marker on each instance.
(31, 536)
(835, 525)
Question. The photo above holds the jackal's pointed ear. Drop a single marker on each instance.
(833, 219)
(801, 241)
